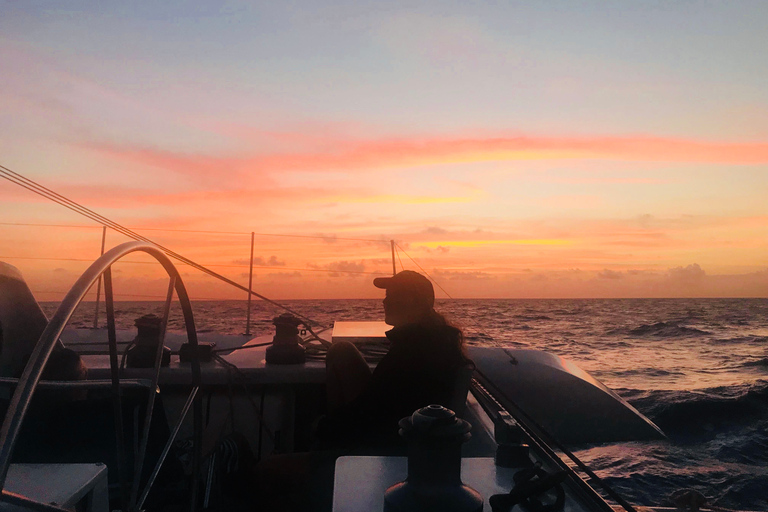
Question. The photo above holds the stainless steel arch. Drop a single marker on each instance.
(42, 351)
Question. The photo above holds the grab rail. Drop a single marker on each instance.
(33, 371)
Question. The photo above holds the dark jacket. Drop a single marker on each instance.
(420, 368)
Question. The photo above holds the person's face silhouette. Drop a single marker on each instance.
(401, 309)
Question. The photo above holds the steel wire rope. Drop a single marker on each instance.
(402, 267)
(131, 295)
(71, 205)
(230, 367)
(230, 396)
(41, 190)
(425, 272)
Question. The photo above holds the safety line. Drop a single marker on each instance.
(41, 190)
(402, 267)
(425, 272)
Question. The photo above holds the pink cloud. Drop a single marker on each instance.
(354, 155)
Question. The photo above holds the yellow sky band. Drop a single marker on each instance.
(482, 243)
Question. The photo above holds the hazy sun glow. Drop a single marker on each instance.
(516, 150)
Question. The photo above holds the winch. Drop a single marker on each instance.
(434, 435)
(286, 348)
(144, 350)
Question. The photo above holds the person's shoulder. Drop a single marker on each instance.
(414, 335)
(447, 331)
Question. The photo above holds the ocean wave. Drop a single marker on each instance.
(634, 396)
(645, 372)
(728, 487)
(569, 312)
(652, 473)
(758, 362)
(661, 329)
(750, 447)
(530, 318)
(684, 414)
(740, 339)
(617, 344)
(478, 337)
(736, 318)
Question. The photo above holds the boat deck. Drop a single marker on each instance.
(289, 395)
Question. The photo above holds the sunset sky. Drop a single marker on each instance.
(512, 149)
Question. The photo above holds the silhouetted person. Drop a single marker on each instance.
(425, 358)
(421, 367)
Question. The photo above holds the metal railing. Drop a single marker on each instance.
(30, 377)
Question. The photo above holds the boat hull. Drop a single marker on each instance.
(564, 400)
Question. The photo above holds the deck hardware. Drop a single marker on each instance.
(142, 353)
(203, 352)
(512, 451)
(286, 348)
(530, 485)
(434, 435)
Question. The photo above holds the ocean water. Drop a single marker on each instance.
(697, 367)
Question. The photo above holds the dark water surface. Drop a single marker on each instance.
(696, 367)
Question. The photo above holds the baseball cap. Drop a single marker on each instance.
(410, 283)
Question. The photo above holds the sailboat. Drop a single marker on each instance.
(520, 409)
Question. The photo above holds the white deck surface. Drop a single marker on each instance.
(250, 361)
(360, 332)
(63, 485)
(360, 482)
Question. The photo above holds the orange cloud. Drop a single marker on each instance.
(400, 198)
(247, 199)
(353, 155)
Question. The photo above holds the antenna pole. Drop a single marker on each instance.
(98, 285)
(394, 268)
(250, 289)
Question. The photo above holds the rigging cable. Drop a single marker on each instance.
(425, 272)
(38, 189)
(402, 267)
(237, 372)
